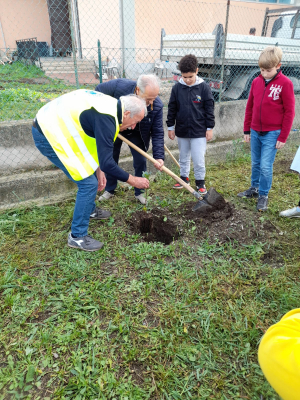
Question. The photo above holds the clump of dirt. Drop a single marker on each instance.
(230, 224)
(220, 211)
(154, 226)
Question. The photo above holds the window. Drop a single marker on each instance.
(293, 21)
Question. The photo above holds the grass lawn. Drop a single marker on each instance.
(144, 320)
(24, 89)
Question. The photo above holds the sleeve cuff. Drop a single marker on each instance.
(171, 128)
(247, 132)
(209, 129)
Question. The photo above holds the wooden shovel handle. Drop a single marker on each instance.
(171, 155)
(165, 169)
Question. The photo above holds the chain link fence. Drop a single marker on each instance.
(50, 47)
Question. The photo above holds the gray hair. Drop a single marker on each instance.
(148, 80)
(133, 104)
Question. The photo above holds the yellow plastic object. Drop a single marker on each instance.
(279, 356)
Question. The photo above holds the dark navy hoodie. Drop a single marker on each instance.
(191, 109)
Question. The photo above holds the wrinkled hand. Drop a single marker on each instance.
(171, 135)
(140, 183)
(159, 164)
(247, 138)
(209, 135)
(279, 145)
(101, 179)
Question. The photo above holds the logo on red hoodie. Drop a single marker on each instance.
(275, 90)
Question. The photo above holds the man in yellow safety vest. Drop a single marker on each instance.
(76, 132)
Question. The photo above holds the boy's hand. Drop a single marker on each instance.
(209, 135)
(247, 138)
(171, 135)
(279, 145)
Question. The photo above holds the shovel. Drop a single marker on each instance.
(171, 155)
(201, 204)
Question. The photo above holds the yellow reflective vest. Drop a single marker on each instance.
(279, 355)
(59, 121)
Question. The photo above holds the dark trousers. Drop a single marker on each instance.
(139, 161)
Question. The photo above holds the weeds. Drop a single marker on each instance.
(143, 320)
(34, 87)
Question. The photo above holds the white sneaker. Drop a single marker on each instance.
(141, 199)
(292, 213)
(106, 196)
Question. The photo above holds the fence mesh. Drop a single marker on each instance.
(50, 47)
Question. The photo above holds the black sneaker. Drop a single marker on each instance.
(178, 185)
(262, 203)
(201, 189)
(86, 243)
(251, 192)
(100, 214)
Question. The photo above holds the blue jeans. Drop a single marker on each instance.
(139, 161)
(87, 188)
(263, 152)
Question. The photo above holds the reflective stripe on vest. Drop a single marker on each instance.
(59, 121)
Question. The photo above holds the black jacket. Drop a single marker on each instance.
(192, 109)
(150, 126)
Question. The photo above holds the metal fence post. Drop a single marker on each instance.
(295, 24)
(73, 44)
(265, 23)
(223, 50)
(122, 34)
(99, 61)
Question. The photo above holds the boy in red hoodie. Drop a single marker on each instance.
(269, 116)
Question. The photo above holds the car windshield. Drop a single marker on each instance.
(293, 21)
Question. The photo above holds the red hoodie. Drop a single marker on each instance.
(271, 106)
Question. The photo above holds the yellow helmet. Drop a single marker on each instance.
(279, 355)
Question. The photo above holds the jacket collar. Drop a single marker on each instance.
(198, 82)
(120, 112)
(278, 75)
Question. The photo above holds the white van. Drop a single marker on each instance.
(283, 26)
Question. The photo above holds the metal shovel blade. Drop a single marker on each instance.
(202, 206)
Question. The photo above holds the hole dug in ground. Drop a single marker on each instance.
(155, 226)
(159, 225)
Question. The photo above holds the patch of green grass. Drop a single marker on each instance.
(21, 103)
(23, 89)
(19, 70)
(141, 320)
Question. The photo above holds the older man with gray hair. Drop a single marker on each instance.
(151, 126)
(76, 132)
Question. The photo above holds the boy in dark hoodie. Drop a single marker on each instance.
(191, 118)
(269, 116)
